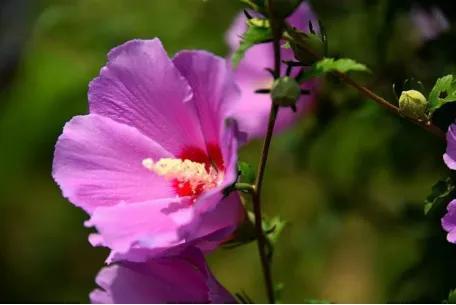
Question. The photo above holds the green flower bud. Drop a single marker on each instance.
(285, 91)
(283, 8)
(306, 46)
(413, 104)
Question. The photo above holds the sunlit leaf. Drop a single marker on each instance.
(258, 31)
(444, 91)
(326, 65)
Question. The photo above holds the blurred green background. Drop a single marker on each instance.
(349, 177)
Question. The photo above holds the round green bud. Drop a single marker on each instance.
(413, 104)
(285, 91)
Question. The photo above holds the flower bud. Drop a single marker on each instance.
(285, 91)
(283, 8)
(413, 104)
(306, 46)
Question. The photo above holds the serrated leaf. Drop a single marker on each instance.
(441, 193)
(246, 172)
(258, 31)
(343, 65)
(326, 65)
(444, 91)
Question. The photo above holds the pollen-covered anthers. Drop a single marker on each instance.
(190, 178)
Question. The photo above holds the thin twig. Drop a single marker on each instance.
(256, 198)
(373, 96)
(387, 105)
(277, 29)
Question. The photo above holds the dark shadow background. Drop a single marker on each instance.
(350, 177)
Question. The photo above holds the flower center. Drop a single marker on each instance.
(192, 174)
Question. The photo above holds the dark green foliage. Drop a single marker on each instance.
(442, 192)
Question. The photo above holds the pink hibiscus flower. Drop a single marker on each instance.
(151, 159)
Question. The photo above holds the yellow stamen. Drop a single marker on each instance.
(183, 171)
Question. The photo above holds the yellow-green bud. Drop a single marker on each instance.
(285, 91)
(413, 104)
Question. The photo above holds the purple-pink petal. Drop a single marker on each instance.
(151, 225)
(141, 87)
(179, 279)
(450, 155)
(97, 162)
(214, 90)
(449, 222)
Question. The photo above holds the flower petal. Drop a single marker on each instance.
(450, 155)
(449, 222)
(180, 279)
(141, 87)
(214, 90)
(217, 224)
(98, 162)
(154, 225)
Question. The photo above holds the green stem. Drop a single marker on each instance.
(277, 29)
(256, 198)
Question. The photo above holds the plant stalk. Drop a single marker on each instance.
(277, 29)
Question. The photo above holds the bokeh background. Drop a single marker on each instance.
(349, 177)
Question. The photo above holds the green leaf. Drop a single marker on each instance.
(444, 91)
(258, 31)
(326, 65)
(246, 172)
(343, 65)
(441, 193)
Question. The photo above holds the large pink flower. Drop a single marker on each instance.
(252, 110)
(150, 161)
(179, 279)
